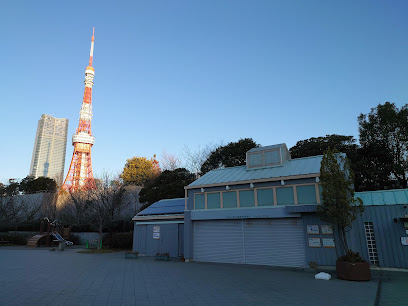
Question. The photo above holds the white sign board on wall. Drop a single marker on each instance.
(327, 230)
(313, 229)
(328, 243)
(156, 232)
(404, 240)
(314, 243)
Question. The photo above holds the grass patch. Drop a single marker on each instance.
(101, 251)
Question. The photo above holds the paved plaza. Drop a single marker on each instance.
(41, 277)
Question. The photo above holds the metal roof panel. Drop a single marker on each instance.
(384, 197)
(164, 207)
(297, 166)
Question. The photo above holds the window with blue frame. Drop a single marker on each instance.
(213, 200)
(284, 196)
(306, 194)
(246, 198)
(229, 199)
(265, 197)
(199, 201)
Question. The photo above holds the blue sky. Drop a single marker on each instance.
(175, 73)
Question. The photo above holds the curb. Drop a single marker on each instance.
(378, 295)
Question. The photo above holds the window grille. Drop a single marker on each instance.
(371, 245)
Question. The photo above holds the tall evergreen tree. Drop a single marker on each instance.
(339, 206)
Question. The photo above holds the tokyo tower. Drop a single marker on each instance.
(80, 171)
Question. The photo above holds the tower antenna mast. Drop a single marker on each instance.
(80, 174)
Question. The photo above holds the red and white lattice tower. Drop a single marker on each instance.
(80, 171)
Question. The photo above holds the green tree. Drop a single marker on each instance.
(139, 170)
(318, 145)
(339, 206)
(168, 185)
(30, 184)
(344, 144)
(384, 144)
(233, 154)
(11, 189)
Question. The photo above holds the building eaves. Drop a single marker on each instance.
(294, 168)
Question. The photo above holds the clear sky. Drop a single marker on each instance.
(175, 73)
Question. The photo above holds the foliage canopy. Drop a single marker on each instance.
(168, 185)
(30, 184)
(230, 155)
(318, 145)
(139, 170)
(384, 144)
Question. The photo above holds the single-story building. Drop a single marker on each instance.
(266, 213)
(159, 228)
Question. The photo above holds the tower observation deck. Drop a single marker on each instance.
(80, 174)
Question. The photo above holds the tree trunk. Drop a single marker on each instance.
(343, 241)
(343, 233)
(100, 233)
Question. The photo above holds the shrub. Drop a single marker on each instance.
(353, 257)
(75, 239)
(16, 239)
(119, 240)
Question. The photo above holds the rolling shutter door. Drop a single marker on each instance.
(275, 242)
(218, 241)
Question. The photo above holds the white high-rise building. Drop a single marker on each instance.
(49, 148)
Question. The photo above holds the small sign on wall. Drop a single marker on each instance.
(313, 229)
(404, 240)
(327, 230)
(156, 232)
(328, 243)
(314, 243)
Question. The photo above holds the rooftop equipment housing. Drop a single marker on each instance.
(274, 155)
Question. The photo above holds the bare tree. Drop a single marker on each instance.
(10, 211)
(193, 159)
(108, 202)
(76, 208)
(30, 206)
(132, 198)
(49, 205)
(170, 161)
(100, 208)
(16, 210)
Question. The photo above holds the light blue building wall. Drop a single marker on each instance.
(171, 239)
(289, 190)
(160, 228)
(388, 230)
